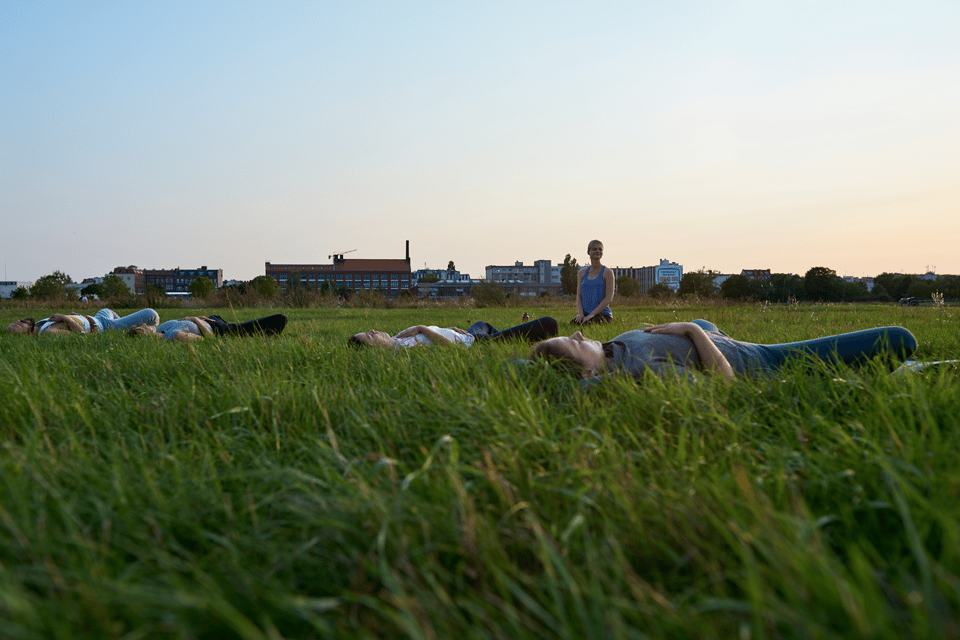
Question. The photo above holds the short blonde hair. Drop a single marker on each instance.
(593, 242)
(140, 330)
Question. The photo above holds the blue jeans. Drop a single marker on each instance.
(108, 319)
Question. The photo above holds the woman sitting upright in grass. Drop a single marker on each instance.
(682, 347)
(595, 288)
(420, 335)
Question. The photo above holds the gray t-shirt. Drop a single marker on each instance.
(636, 352)
(170, 328)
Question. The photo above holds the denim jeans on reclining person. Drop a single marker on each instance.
(108, 319)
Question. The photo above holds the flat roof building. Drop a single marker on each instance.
(391, 275)
(668, 273)
(178, 280)
(7, 287)
(132, 276)
(540, 277)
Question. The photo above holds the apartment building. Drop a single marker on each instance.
(133, 277)
(170, 280)
(529, 280)
(668, 273)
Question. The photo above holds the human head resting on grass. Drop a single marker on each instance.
(373, 338)
(24, 325)
(142, 330)
(580, 353)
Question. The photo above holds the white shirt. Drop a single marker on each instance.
(420, 339)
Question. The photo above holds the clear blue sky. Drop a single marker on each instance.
(725, 135)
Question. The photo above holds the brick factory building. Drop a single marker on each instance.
(391, 275)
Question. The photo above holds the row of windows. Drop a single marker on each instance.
(377, 281)
(161, 274)
(282, 275)
(357, 284)
(169, 281)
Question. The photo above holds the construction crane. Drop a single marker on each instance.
(340, 253)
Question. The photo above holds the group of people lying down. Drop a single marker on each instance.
(673, 348)
(147, 322)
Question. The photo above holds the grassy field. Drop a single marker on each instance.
(295, 487)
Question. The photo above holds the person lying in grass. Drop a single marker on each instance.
(420, 335)
(196, 327)
(683, 347)
(103, 320)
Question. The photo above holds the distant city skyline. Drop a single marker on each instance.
(480, 273)
(729, 136)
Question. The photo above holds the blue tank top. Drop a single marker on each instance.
(592, 293)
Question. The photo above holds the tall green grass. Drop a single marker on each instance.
(296, 487)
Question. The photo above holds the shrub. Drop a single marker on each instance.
(488, 294)
(660, 291)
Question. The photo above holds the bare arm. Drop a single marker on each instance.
(580, 274)
(68, 321)
(202, 325)
(711, 359)
(434, 337)
(186, 336)
(609, 288)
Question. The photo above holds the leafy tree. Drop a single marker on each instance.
(154, 294)
(294, 281)
(850, 291)
(20, 293)
(901, 286)
(201, 287)
(91, 290)
(878, 292)
(568, 275)
(737, 287)
(949, 286)
(821, 283)
(660, 291)
(113, 286)
(920, 288)
(627, 286)
(699, 282)
(780, 287)
(428, 278)
(297, 294)
(887, 281)
(266, 286)
(451, 266)
(53, 287)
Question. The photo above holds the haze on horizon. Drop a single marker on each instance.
(718, 135)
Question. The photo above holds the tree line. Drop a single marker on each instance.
(56, 287)
(819, 284)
